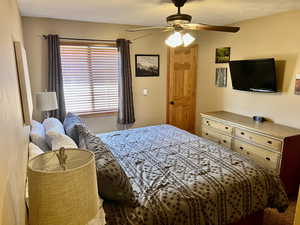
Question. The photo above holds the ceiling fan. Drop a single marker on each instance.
(179, 23)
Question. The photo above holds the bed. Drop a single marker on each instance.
(180, 178)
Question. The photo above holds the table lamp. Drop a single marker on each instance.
(46, 101)
(62, 188)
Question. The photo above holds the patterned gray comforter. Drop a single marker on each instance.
(180, 178)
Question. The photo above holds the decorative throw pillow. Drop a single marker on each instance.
(113, 183)
(88, 140)
(58, 140)
(38, 136)
(53, 125)
(70, 122)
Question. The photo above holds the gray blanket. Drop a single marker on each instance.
(180, 178)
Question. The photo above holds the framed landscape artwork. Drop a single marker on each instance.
(223, 55)
(146, 65)
(24, 82)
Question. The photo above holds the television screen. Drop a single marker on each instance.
(257, 75)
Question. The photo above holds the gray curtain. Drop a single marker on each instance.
(126, 109)
(55, 79)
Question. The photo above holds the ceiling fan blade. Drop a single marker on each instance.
(149, 28)
(170, 1)
(199, 26)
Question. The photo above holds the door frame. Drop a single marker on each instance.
(168, 82)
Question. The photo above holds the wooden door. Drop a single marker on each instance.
(181, 87)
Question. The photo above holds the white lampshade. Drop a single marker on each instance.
(60, 196)
(174, 40)
(46, 101)
(187, 39)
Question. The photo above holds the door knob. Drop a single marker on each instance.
(172, 102)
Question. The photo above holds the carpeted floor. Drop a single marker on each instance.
(273, 217)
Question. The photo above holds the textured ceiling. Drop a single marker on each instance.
(153, 12)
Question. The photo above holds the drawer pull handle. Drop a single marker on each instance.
(207, 122)
(224, 141)
(267, 158)
(206, 133)
(242, 133)
(226, 128)
(241, 148)
(270, 142)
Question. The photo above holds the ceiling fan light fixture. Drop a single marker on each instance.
(174, 40)
(187, 39)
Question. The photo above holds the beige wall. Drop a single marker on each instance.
(13, 135)
(273, 36)
(149, 109)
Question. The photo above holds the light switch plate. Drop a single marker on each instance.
(145, 92)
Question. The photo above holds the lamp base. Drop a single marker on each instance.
(46, 114)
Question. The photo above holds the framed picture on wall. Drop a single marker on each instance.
(223, 55)
(146, 65)
(24, 82)
(221, 77)
(297, 85)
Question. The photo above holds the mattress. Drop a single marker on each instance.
(180, 178)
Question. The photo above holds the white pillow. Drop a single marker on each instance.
(52, 125)
(38, 136)
(34, 150)
(58, 140)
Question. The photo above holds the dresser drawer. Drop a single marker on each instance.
(260, 155)
(214, 136)
(217, 125)
(259, 139)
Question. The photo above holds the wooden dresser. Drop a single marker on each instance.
(297, 215)
(272, 145)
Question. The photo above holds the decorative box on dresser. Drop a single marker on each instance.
(273, 145)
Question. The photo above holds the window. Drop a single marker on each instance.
(90, 77)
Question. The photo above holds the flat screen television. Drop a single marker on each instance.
(258, 75)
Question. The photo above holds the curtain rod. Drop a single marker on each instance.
(83, 39)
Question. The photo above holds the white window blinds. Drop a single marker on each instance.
(90, 77)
